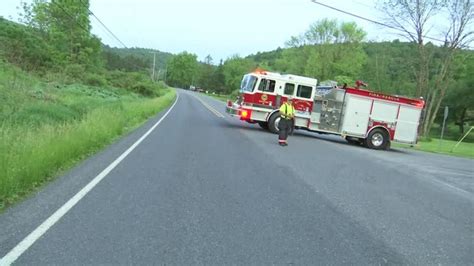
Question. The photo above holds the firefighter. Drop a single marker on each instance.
(287, 114)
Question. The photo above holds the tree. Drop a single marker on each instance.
(206, 71)
(293, 60)
(413, 18)
(330, 49)
(233, 70)
(129, 62)
(65, 26)
(23, 47)
(182, 70)
(218, 79)
(457, 36)
(389, 67)
(460, 98)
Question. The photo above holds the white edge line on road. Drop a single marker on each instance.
(19, 249)
(214, 111)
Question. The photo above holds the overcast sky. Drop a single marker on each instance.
(220, 28)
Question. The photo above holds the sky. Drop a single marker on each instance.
(220, 28)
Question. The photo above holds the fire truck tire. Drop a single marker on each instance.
(273, 123)
(263, 125)
(377, 139)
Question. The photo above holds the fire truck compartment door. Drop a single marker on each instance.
(384, 111)
(407, 124)
(356, 117)
(316, 113)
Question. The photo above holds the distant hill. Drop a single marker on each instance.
(268, 57)
(142, 53)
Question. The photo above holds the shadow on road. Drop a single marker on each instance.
(309, 135)
(245, 127)
(398, 150)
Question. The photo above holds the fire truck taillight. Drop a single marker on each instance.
(245, 114)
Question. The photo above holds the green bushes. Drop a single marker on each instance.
(75, 71)
(121, 79)
(23, 46)
(136, 82)
(148, 89)
(234, 94)
(144, 89)
(95, 80)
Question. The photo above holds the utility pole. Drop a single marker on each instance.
(153, 70)
(159, 74)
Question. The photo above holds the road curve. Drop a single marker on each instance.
(204, 188)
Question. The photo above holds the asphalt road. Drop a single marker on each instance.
(204, 188)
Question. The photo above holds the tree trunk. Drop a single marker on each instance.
(441, 84)
(423, 72)
(461, 120)
(422, 89)
(430, 100)
(435, 112)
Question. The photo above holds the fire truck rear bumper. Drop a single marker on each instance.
(233, 110)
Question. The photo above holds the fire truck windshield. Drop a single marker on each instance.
(248, 83)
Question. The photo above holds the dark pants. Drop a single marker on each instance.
(284, 126)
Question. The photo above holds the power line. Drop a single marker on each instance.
(366, 19)
(86, 29)
(376, 22)
(111, 33)
(138, 67)
(364, 4)
(103, 25)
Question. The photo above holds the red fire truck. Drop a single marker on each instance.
(358, 115)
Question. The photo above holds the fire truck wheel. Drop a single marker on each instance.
(273, 123)
(377, 139)
(263, 125)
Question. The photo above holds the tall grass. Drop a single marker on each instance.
(31, 155)
(465, 149)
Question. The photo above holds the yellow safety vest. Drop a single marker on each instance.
(287, 111)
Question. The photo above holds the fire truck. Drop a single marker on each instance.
(358, 115)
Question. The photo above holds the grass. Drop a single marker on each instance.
(46, 128)
(451, 132)
(222, 98)
(31, 156)
(464, 149)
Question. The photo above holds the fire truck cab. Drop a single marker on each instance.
(358, 115)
